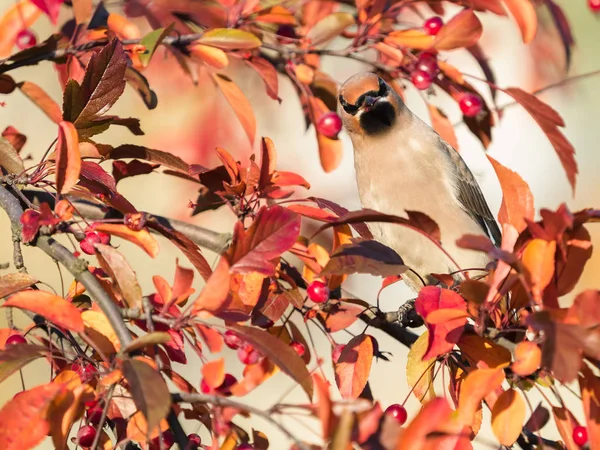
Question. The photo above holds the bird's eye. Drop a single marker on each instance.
(348, 107)
(383, 89)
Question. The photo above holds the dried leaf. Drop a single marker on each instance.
(353, 367)
(419, 371)
(15, 282)
(139, 82)
(239, 103)
(329, 27)
(15, 357)
(463, 30)
(273, 232)
(230, 39)
(157, 337)
(149, 391)
(68, 159)
(369, 257)
(23, 422)
(517, 200)
(524, 14)
(281, 354)
(115, 264)
(100, 331)
(54, 308)
(9, 157)
(508, 417)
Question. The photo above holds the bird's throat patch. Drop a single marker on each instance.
(379, 119)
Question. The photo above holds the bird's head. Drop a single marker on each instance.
(368, 105)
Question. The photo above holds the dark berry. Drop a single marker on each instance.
(26, 39)
(15, 339)
(167, 440)
(194, 441)
(85, 370)
(329, 125)
(398, 412)
(421, 79)
(245, 446)
(580, 436)
(232, 340)
(470, 105)
(287, 31)
(86, 436)
(225, 387)
(94, 414)
(299, 347)
(318, 291)
(336, 352)
(248, 355)
(433, 25)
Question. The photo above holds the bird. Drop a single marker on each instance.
(402, 165)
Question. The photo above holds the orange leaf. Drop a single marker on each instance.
(482, 352)
(122, 27)
(20, 15)
(230, 39)
(329, 27)
(528, 358)
(508, 417)
(524, 14)
(313, 213)
(137, 428)
(589, 385)
(210, 55)
(419, 371)
(68, 159)
(478, 384)
(239, 103)
(216, 291)
(214, 372)
(65, 409)
(23, 422)
(38, 96)
(254, 376)
(276, 14)
(565, 422)
(142, 238)
(416, 39)
(330, 152)
(463, 30)
(441, 124)
(100, 331)
(54, 308)
(517, 200)
(538, 259)
(324, 405)
(354, 366)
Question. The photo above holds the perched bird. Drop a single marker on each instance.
(403, 164)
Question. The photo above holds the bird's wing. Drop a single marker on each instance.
(470, 196)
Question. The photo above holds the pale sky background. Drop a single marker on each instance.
(178, 125)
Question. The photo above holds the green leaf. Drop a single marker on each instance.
(230, 39)
(151, 41)
(149, 391)
(104, 81)
(279, 353)
(16, 357)
(157, 337)
(330, 27)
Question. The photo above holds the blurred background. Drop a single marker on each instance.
(191, 121)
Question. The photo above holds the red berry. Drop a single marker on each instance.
(433, 25)
(94, 414)
(86, 436)
(336, 352)
(580, 436)
(318, 291)
(194, 441)
(421, 79)
(232, 340)
(204, 387)
(329, 125)
(85, 370)
(26, 39)
(398, 412)
(87, 243)
(15, 339)
(167, 439)
(594, 5)
(247, 355)
(299, 347)
(428, 63)
(470, 105)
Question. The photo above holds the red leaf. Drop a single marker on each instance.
(289, 179)
(94, 173)
(281, 354)
(589, 385)
(151, 155)
(142, 238)
(268, 74)
(15, 357)
(23, 422)
(463, 30)
(353, 367)
(274, 231)
(123, 170)
(341, 315)
(239, 103)
(443, 336)
(524, 14)
(68, 159)
(50, 7)
(54, 308)
(16, 139)
(517, 200)
(313, 213)
(549, 121)
(441, 124)
(324, 406)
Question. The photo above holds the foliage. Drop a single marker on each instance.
(111, 346)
